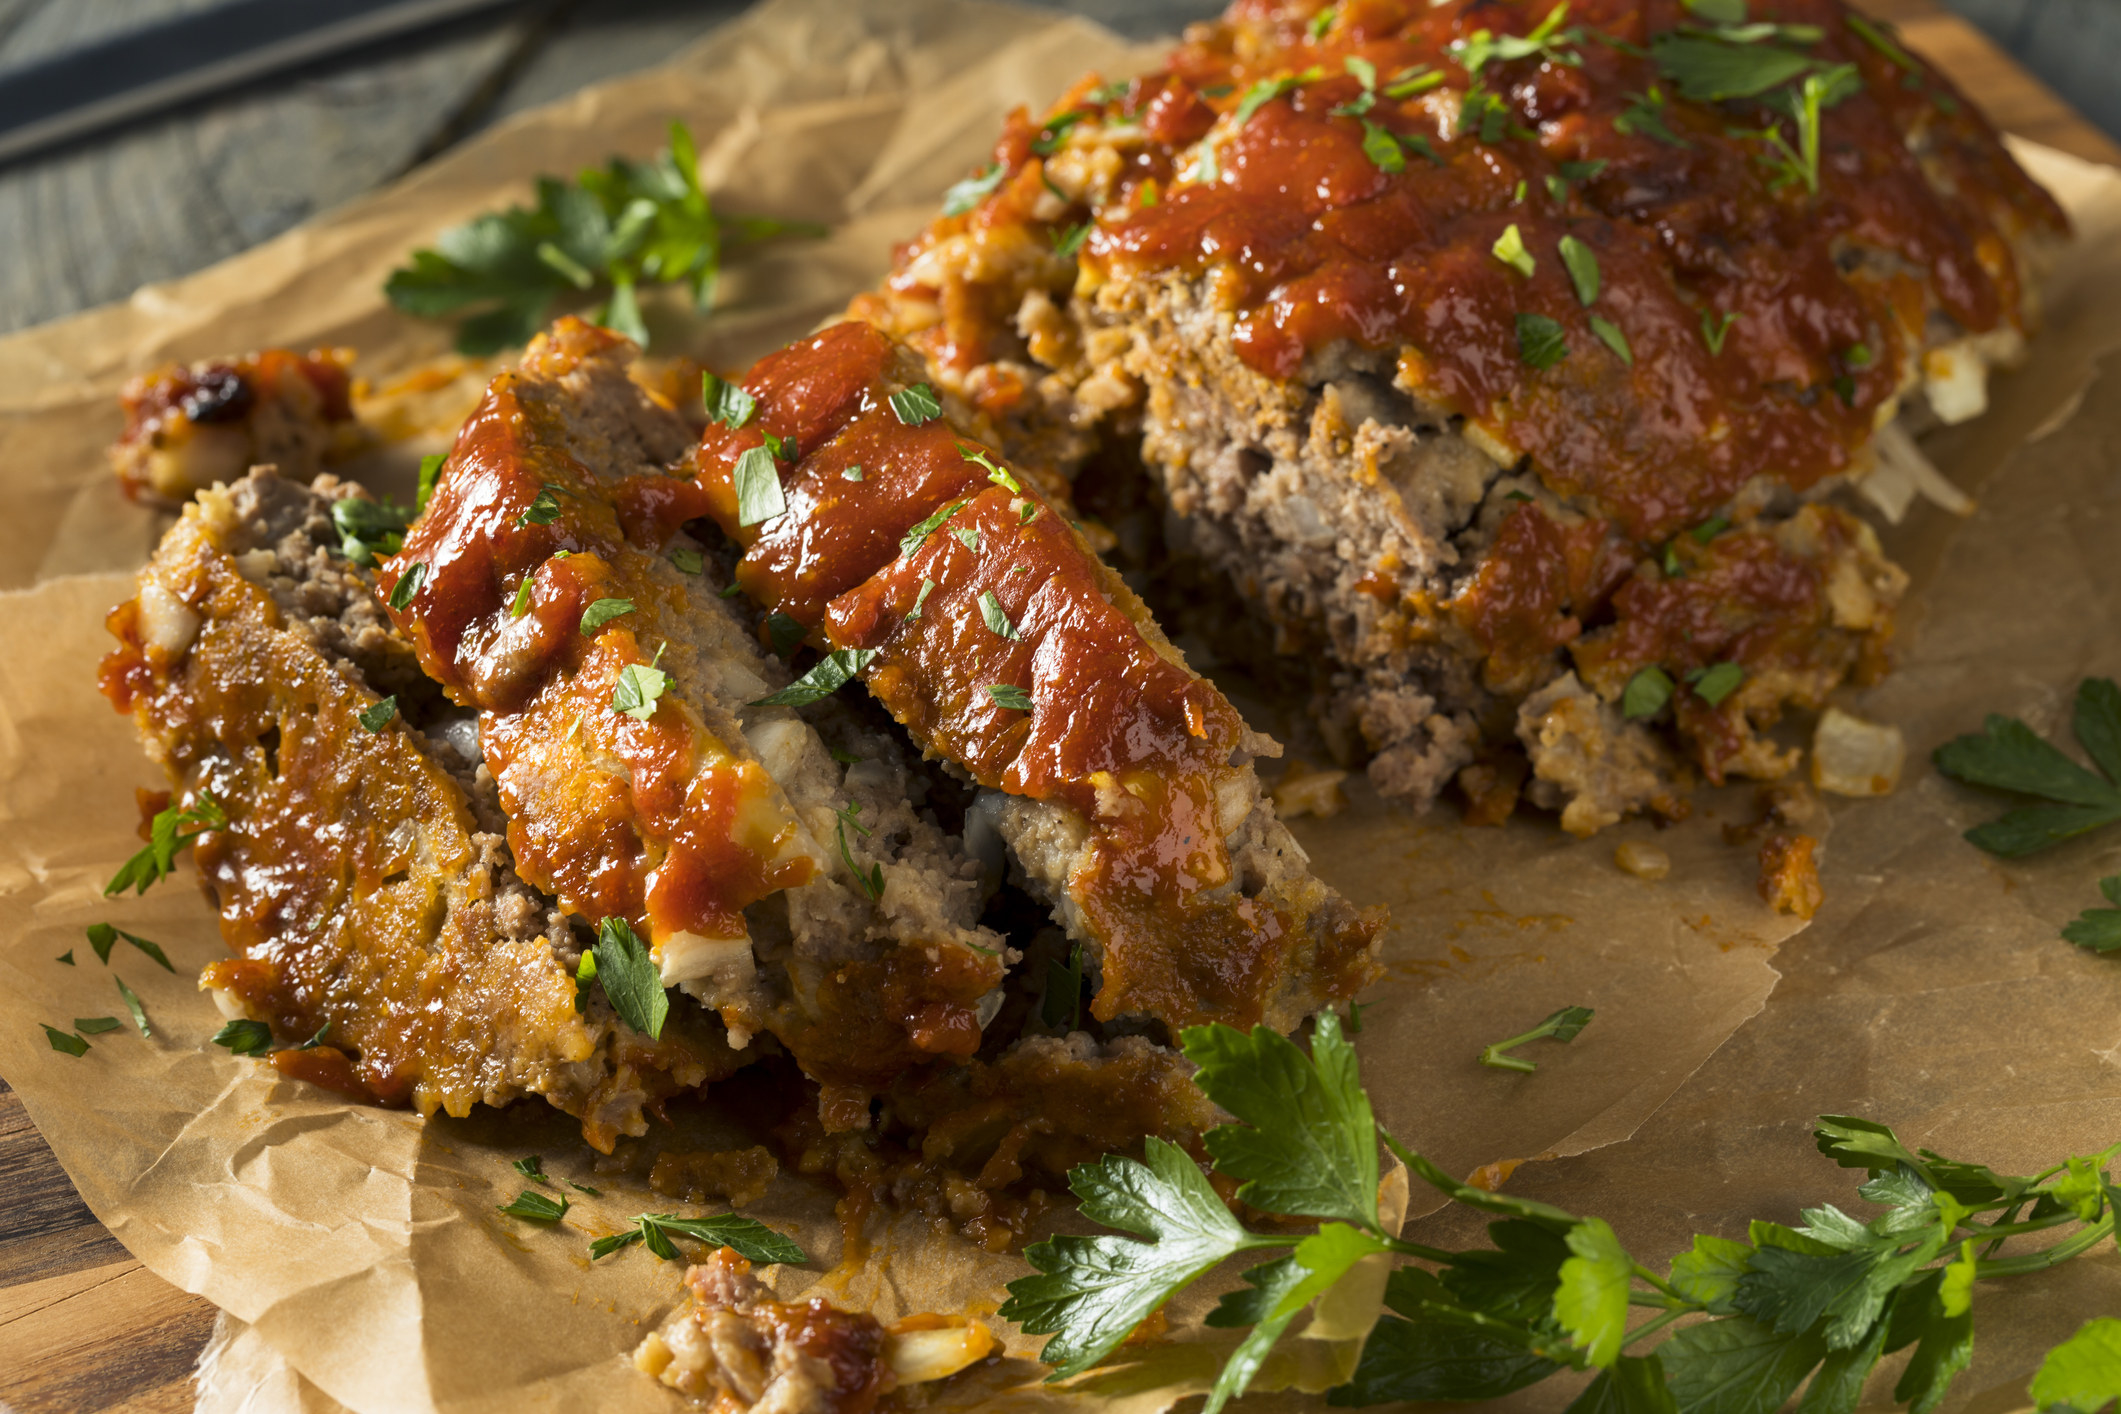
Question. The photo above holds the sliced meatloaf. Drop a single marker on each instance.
(1498, 358)
(876, 527)
(363, 878)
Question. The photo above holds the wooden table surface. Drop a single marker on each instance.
(84, 1327)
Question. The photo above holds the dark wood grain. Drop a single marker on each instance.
(84, 1327)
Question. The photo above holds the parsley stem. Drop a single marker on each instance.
(1659, 1282)
(1651, 1327)
(1416, 1249)
(2000, 1230)
(2039, 1261)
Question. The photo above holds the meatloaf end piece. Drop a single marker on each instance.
(188, 427)
(403, 934)
(1468, 363)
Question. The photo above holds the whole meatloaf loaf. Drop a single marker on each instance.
(1499, 358)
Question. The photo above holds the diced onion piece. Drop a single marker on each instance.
(706, 967)
(1853, 757)
(167, 623)
(919, 1355)
(1644, 861)
(1303, 791)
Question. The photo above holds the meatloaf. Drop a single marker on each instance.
(1499, 362)
(189, 426)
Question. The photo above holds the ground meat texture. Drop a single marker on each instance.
(1323, 367)
(443, 978)
(187, 428)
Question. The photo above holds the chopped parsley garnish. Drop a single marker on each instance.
(918, 536)
(1068, 240)
(245, 1037)
(997, 618)
(1806, 106)
(623, 225)
(1488, 117)
(783, 448)
(134, 1007)
(602, 612)
(408, 585)
(1714, 326)
(543, 509)
(377, 715)
(1582, 171)
(1321, 22)
(999, 475)
(1858, 356)
(533, 1168)
(1609, 334)
(1562, 1026)
(916, 405)
(967, 536)
(1509, 249)
(731, 590)
(920, 600)
(784, 634)
(1062, 1006)
(827, 676)
(64, 1042)
(521, 604)
(1582, 266)
(533, 1206)
(688, 561)
(638, 687)
(1541, 342)
(1055, 132)
(1382, 147)
(1417, 78)
(970, 192)
(752, 1240)
(871, 879)
(1878, 38)
(1707, 67)
(726, 402)
(96, 1025)
(1716, 682)
(1644, 116)
(66, 957)
(317, 1040)
(1483, 47)
(627, 973)
(1646, 693)
(369, 530)
(1009, 697)
(1718, 12)
(172, 828)
(758, 487)
(2007, 755)
(103, 937)
(851, 473)
(430, 477)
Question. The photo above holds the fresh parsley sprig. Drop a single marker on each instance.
(1815, 1306)
(614, 228)
(2008, 755)
(1563, 1026)
(633, 984)
(173, 827)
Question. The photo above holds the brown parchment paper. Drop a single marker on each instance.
(357, 1250)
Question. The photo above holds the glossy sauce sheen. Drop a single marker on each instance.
(657, 822)
(1312, 242)
(1130, 740)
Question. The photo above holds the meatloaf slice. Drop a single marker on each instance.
(256, 662)
(876, 526)
(1467, 342)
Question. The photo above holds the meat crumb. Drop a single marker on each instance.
(1789, 874)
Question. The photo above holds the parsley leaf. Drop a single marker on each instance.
(757, 477)
(1708, 68)
(1093, 1291)
(688, 561)
(726, 402)
(408, 585)
(602, 612)
(1382, 147)
(1541, 342)
(2083, 1372)
(1582, 266)
(918, 536)
(245, 1037)
(752, 1239)
(1611, 336)
(827, 676)
(1645, 116)
(430, 477)
(102, 937)
(1481, 48)
(1509, 249)
(628, 975)
(533, 1168)
(1562, 1026)
(134, 1006)
(64, 1042)
(997, 618)
(1714, 327)
(1646, 693)
(533, 1206)
(1716, 682)
(544, 508)
(1260, 94)
(2006, 755)
(622, 225)
(521, 604)
(1591, 1301)
(377, 715)
(638, 688)
(970, 192)
(368, 529)
(96, 1025)
(784, 633)
(1009, 697)
(2099, 929)
(167, 833)
(1310, 1148)
(916, 405)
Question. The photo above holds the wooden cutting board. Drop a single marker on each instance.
(84, 1327)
